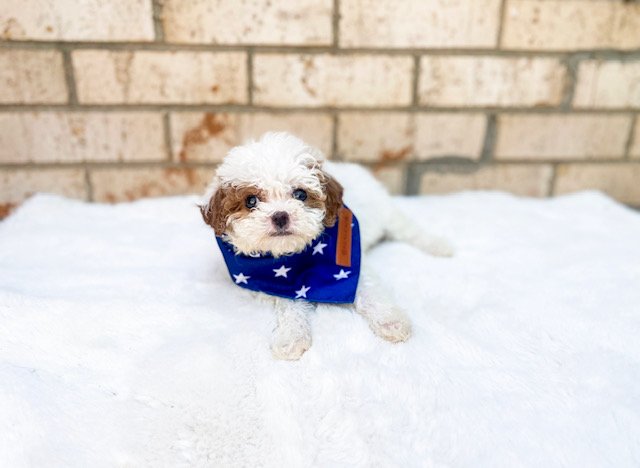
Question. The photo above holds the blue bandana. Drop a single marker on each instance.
(327, 270)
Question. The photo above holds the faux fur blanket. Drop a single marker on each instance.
(123, 343)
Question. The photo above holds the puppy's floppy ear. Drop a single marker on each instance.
(213, 212)
(333, 202)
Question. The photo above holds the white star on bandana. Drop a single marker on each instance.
(302, 292)
(342, 275)
(319, 248)
(282, 271)
(241, 278)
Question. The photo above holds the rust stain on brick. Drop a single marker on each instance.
(215, 88)
(122, 63)
(395, 155)
(12, 29)
(171, 180)
(210, 126)
(188, 173)
(309, 67)
(6, 209)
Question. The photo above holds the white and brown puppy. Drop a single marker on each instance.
(276, 195)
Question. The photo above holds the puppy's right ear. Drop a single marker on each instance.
(213, 212)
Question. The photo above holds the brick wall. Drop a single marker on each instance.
(113, 100)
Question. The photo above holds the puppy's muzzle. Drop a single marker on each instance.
(280, 220)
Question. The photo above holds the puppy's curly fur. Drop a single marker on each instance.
(270, 174)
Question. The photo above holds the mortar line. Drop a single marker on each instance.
(246, 108)
(158, 27)
(249, 66)
(571, 64)
(489, 143)
(502, 17)
(415, 101)
(168, 139)
(160, 163)
(454, 162)
(631, 137)
(69, 78)
(468, 165)
(334, 137)
(335, 25)
(610, 54)
(552, 182)
(405, 181)
(87, 184)
(413, 176)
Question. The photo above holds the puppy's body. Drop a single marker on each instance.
(277, 195)
(378, 215)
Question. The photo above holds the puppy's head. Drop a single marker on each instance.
(272, 195)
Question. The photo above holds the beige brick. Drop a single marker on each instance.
(621, 181)
(634, 151)
(105, 77)
(522, 179)
(32, 76)
(303, 22)
(386, 136)
(450, 134)
(116, 185)
(571, 24)
(392, 177)
(419, 23)
(491, 81)
(17, 185)
(610, 84)
(392, 136)
(49, 137)
(73, 20)
(562, 136)
(330, 80)
(209, 136)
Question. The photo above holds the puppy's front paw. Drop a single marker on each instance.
(394, 330)
(288, 347)
(391, 324)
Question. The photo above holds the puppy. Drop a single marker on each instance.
(287, 228)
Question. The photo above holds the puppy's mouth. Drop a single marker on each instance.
(281, 233)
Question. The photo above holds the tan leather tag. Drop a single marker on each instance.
(343, 247)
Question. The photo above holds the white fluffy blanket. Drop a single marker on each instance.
(124, 343)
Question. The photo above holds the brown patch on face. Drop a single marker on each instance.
(396, 155)
(227, 201)
(333, 198)
(210, 126)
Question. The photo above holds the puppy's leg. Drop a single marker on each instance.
(403, 229)
(292, 334)
(385, 318)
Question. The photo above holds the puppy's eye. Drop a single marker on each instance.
(299, 194)
(251, 201)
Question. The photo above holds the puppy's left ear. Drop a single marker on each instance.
(333, 202)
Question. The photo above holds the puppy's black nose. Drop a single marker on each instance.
(280, 219)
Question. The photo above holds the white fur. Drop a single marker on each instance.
(279, 163)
